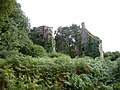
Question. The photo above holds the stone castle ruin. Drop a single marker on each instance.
(47, 41)
(44, 37)
(44, 31)
(84, 36)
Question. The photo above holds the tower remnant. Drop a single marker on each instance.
(83, 25)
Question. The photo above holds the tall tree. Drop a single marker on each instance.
(14, 28)
(67, 40)
(5, 10)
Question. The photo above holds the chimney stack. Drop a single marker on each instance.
(83, 25)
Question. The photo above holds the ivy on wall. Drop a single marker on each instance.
(91, 48)
(76, 41)
(43, 39)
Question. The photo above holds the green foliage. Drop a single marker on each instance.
(58, 71)
(116, 71)
(56, 54)
(34, 36)
(33, 50)
(91, 48)
(112, 55)
(9, 39)
(9, 53)
(38, 51)
(116, 86)
(42, 37)
(79, 82)
(6, 7)
(62, 73)
(67, 38)
(76, 41)
(14, 28)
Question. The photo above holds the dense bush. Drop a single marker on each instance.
(116, 74)
(56, 54)
(9, 53)
(62, 73)
(37, 51)
(33, 50)
(112, 55)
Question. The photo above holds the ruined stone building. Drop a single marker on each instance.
(86, 35)
(77, 41)
(89, 45)
(44, 31)
(42, 35)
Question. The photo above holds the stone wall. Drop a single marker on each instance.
(84, 38)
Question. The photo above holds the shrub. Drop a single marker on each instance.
(38, 51)
(116, 86)
(57, 54)
(62, 73)
(9, 53)
(79, 82)
(112, 55)
(116, 70)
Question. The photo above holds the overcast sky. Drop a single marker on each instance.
(102, 17)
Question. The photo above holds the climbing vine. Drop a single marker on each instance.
(92, 48)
